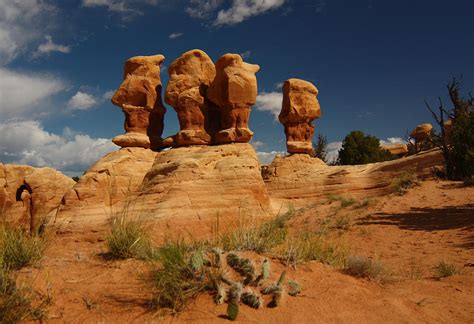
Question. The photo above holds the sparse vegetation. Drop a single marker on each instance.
(345, 201)
(128, 239)
(17, 250)
(415, 271)
(404, 181)
(320, 147)
(446, 269)
(363, 267)
(342, 222)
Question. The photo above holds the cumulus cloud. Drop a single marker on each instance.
(333, 151)
(175, 35)
(23, 23)
(269, 102)
(241, 10)
(26, 94)
(257, 144)
(393, 140)
(267, 157)
(202, 9)
(26, 142)
(108, 95)
(81, 101)
(49, 46)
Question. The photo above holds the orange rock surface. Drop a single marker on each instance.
(234, 91)
(139, 96)
(300, 107)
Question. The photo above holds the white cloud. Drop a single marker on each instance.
(279, 85)
(128, 9)
(81, 101)
(244, 9)
(393, 140)
(267, 157)
(26, 94)
(270, 102)
(202, 9)
(108, 95)
(49, 46)
(257, 144)
(245, 55)
(26, 142)
(332, 151)
(175, 35)
(23, 23)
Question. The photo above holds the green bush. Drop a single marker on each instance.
(358, 148)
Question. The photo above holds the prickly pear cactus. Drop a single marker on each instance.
(250, 298)
(294, 288)
(281, 281)
(235, 293)
(232, 311)
(265, 270)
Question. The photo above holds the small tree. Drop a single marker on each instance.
(456, 136)
(320, 147)
(358, 148)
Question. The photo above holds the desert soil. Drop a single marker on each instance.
(409, 234)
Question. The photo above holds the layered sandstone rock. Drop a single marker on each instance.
(106, 188)
(398, 149)
(234, 91)
(299, 179)
(30, 196)
(139, 96)
(190, 76)
(182, 186)
(300, 107)
(420, 135)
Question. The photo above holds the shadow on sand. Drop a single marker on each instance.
(430, 220)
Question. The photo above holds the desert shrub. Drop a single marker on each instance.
(342, 222)
(414, 269)
(312, 247)
(18, 249)
(358, 148)
(128, 239)
(259, 238)
(456, 142)
(320, 147)
(446, 269)
(345, 202)
(18, 304)
(404, 181)
(363, 267)
(179, 276)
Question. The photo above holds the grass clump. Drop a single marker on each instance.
(180, 275)
(312, 247)
(345, 202)
(445, 269)
(261, 238)
(363, 267)
(405, 181)
(128, 239)
(17, 250)
(342, 222)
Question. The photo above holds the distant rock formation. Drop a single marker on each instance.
(234, 91)
(420, 135)
(300, 108)
(190, 76)
(139, 96)
(398, 149)
(30, 196)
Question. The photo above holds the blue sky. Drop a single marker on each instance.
(374, 63)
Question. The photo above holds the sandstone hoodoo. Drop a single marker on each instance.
(300, 108)
(139, 96)
(190, 76)
(420, 135)
(234, 91)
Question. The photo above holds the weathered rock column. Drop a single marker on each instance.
(190, 76)
(420, 135)
(139, 96)
(234, 91)
(300, 108)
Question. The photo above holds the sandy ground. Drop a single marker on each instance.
(410, 234)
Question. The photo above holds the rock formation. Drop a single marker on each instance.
(301, 180)
(234, 91)
(29, 196)
(139, 96)
(190, 76)
(300, 108)
(398, 149)
(107, 188)
(420, 135)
